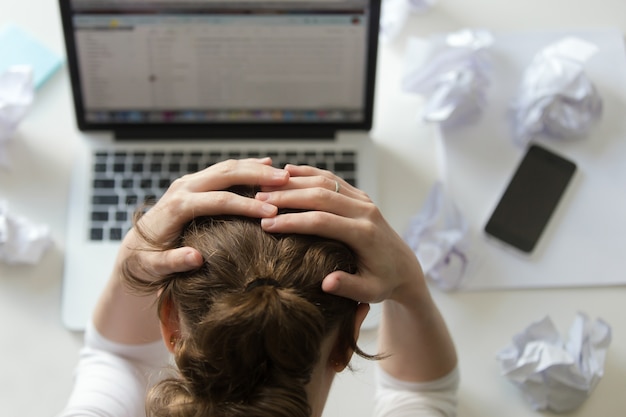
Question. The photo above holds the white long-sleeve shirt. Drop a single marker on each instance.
(112, 379)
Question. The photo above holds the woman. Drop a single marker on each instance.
(122, 357)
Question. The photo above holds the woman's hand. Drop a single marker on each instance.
(411, 330)
(388, 269)
(130, 318)
(197, 194)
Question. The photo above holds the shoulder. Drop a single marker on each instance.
(396, 398)
(112, 379)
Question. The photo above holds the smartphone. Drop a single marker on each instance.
(530, 198)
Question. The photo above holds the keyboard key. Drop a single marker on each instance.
(164, 183)
(115, 233)
(128, 183)
(99, 216)
(105, 200)
(119, 167)
(98, 183)
(345, 166)
(96, 233)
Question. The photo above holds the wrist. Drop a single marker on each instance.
(413, 288)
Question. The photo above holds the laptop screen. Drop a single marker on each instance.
(222, 68)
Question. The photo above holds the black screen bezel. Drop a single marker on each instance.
(220, 129)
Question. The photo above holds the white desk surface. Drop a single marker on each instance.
(37, 354)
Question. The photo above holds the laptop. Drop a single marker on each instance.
(163, 88)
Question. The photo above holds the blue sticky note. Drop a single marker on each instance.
(17, 47)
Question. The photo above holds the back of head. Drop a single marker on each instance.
(252, 319)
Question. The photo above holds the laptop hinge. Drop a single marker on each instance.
(230, 132)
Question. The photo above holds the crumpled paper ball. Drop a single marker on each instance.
(454, 76)
(394, 13)
(16, 95)
(556, 98)
(438, 237)
(21, 241)
(556, 374)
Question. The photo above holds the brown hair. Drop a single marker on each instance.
(253, 317)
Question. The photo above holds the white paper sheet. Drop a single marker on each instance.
(583, 243)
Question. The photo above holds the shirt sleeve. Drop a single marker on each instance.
(396, 398)
(112, 379)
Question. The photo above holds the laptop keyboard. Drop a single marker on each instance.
(124, 181)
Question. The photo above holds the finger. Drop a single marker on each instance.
(224, 203)
(170, 261)
(334, 184)
(317, 199)
(305, 171)
(246, 172)
(355, 287)
(232, 172)
(316, 223)
(180, 208)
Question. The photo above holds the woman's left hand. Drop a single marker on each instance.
(198, 194)
(388, 268)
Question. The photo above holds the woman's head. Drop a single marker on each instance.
(251, 321)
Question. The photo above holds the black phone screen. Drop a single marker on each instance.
(530, 198)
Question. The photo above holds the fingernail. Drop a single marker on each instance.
(267, 222)
(280, 174)
(262, 196)
(269, 209)
(330, 285)
(192, 259)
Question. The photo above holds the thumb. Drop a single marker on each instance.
(161, 264)
(355, 287)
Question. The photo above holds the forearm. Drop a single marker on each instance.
(414, 335)
(125, 317)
